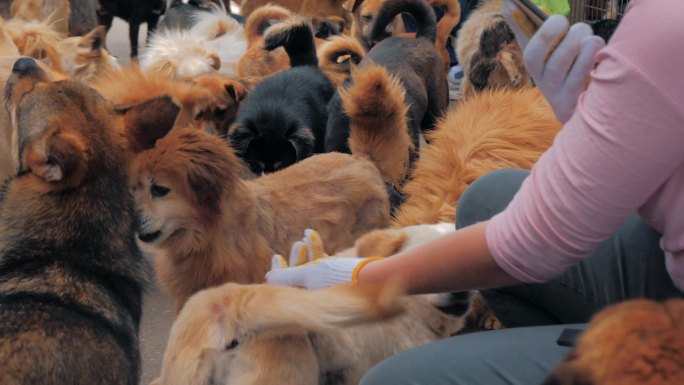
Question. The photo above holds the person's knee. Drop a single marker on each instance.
(488, 196)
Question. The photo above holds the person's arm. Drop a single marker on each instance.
(454, 262)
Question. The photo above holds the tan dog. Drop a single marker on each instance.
(57, 11)
(637, 342)
(257, 61)
(501, 64)
(363, 14)
(206, 226)
(269, 335)
(492, 130)
(35, 38)
(85, 58)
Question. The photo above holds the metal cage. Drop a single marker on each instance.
(595, 10)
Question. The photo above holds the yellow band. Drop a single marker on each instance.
(357, 269)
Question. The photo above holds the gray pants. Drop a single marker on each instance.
(628, 265)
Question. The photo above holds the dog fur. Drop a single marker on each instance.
(363, 15)
(310, 8)
(337, 57)
(489, 53)
(71, 274)
(638, 342)
(283, 119)
(450, 19)
(7, 46)
(217, 228)
(258, 62)
(272, 335)
(417, 65)
(213, 45)
(135, 13)
(492, 130)
(85, 58)
(58, 12)
(35, 38)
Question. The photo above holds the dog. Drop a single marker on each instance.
(204, 226)
(208, 102)
(71, 274)
(489, 53)
(449, 21)
(85, 58)
(260, 334)
(213, 45)
(492, 130)
(8, 164)
(135, 12)
(363, 14)
(36, 38)
(415, 62)
(58, 12)
(637, 342)
(283, 119)
(7, 46)
(258, 62)
(311, 8)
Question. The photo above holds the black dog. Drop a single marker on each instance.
(135, 12)
(283, 120)
(415, 62)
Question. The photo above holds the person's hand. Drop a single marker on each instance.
(559, 58)
(311, 268)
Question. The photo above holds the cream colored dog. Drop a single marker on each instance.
(268, 335)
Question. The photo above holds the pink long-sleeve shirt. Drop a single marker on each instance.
(621, 152)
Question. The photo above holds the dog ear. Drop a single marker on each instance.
(302, 140)
(240, 136)
(148, 121)
(215, 61)
(59, 156)
(236, 92)
(93, 42)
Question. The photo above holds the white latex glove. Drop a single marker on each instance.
(562, 70)
(312, 269)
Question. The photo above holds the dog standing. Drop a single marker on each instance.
(135, 12)
(71, 274)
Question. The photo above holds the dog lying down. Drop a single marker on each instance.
(269, 335)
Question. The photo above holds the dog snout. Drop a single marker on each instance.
(143, 221)
(26, 66)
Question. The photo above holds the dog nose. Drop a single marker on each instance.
(25, 66)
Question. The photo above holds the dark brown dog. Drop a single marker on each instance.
(71, 274)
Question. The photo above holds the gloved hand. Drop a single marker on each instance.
(311, 268)
(559, 58)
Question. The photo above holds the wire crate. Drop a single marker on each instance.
(595, 10)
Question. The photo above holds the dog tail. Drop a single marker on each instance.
(378, 127)
(209, 321)
(261, 18)
(297, 37)
(446, 24)
(337, 57)
(426, 23)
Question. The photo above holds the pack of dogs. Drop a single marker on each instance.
(227, 138)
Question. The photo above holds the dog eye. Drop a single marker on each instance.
(220, 113)
(367, 18)
(232, 345)
(199, 116)
(159, 191)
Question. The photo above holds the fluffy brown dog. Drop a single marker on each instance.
(492, 130)
(489, 53)
(206, 226)
(267, 335)
(637, 342)
(85, 58)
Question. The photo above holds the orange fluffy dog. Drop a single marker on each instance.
(257, 61)
(207, 102)
(637, 342)
(492, 130)
(206, 226)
